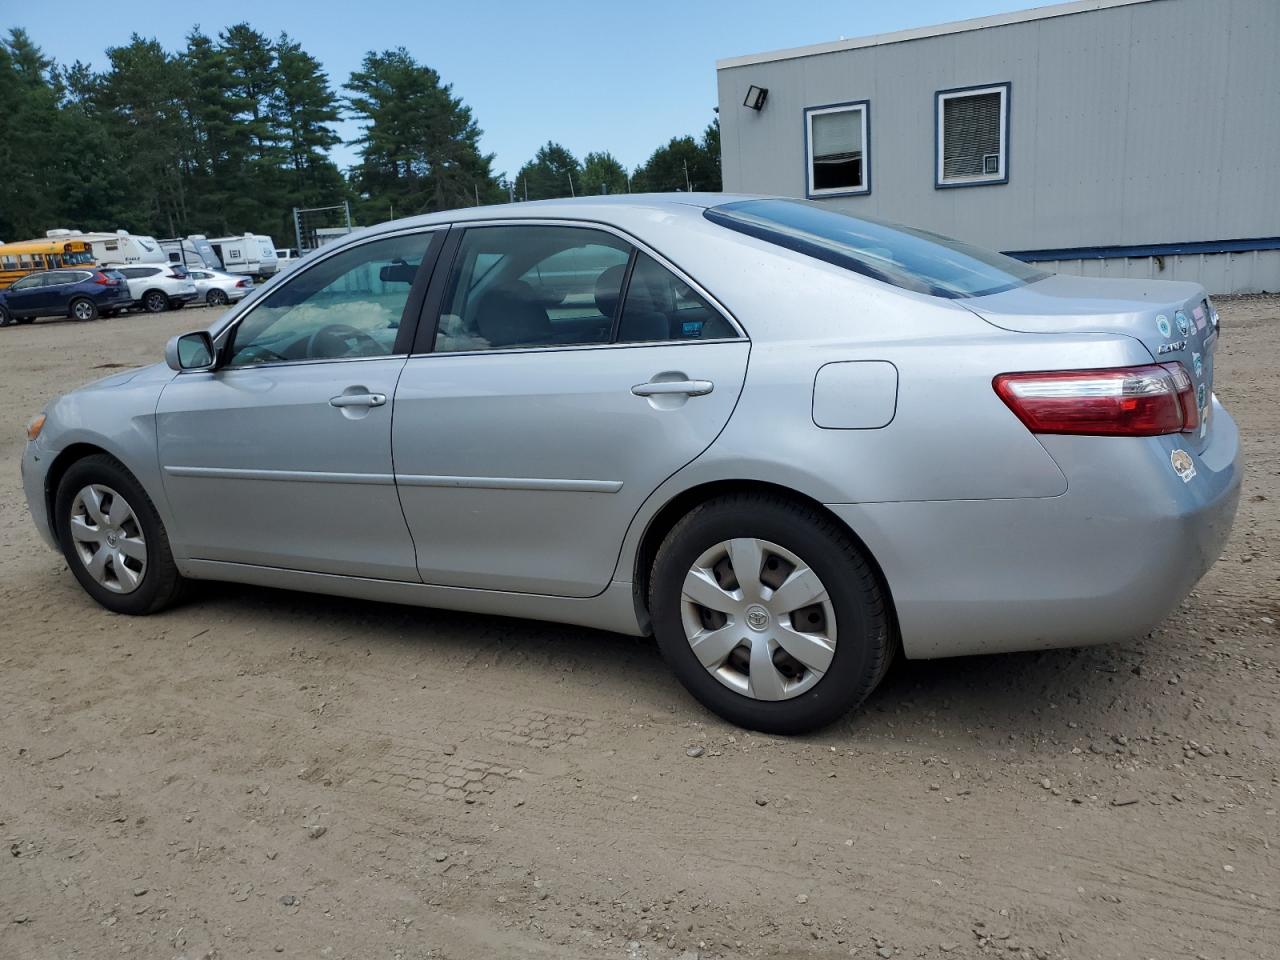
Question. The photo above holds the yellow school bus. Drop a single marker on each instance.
(28, 256)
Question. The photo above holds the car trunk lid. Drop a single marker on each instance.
(1173, 320)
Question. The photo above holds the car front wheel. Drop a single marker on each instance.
(769, 613)
(113, 538)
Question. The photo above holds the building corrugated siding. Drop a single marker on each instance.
(1149, 123)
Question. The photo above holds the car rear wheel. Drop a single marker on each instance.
(113, 538)
(216, 297)
(154, 301)
(769, 613)
(83, 309)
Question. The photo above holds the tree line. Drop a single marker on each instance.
(231, 132)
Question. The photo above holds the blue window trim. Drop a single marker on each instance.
(938, 183)
(1190, 248)
(861, 191)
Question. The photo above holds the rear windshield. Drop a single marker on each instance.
(903, 256)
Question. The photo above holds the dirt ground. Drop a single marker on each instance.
(262, 773)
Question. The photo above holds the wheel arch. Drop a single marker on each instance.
(69, 455)
(679, 505)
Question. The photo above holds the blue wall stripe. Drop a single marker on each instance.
(1148, 250)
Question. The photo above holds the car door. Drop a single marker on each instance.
(281, 456)
(560, 376)
(27, 296)
(55, 295)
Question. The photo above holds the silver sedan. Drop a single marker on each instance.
(218, 289)
(787, 442)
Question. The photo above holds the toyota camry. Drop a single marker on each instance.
(787, 442)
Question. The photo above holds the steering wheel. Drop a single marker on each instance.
(349, 342)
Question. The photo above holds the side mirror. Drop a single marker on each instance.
(190, 351)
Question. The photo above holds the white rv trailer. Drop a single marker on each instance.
(115, 249)
(193, 252)
(240, 255)
(268, 263)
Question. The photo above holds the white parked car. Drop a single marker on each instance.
(159, 288)
(217, 288)
(286, 259)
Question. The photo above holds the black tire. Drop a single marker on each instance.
(864, 644)
(83, 309)
(216, 297)
(161, 583)
(154, 301)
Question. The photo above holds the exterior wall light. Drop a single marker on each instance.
(756, 97)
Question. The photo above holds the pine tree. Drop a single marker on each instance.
(419, 149)
(553, 172)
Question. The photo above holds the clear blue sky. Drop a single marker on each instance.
(597, 75)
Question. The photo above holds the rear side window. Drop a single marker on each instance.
(905, 257)
(532, 286)
(661, 306)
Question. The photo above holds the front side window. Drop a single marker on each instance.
(972, 136)
(532, 286)
(836, 137)
(905, 257)
(30, 282)
(347, 305)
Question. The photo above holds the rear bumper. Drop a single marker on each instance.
(1105, 561)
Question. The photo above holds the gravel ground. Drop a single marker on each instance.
(262, 773)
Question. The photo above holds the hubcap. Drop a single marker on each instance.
(108, 538)
(82, 311)
(758, 619)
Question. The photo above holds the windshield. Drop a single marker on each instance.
(903, 256)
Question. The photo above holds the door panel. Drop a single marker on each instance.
(522, 470)
(282, 456)
(260, 467)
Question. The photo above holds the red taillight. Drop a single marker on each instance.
(102, 280)
(245, 283)
(1118, 402)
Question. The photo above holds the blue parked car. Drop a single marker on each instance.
(81, 294)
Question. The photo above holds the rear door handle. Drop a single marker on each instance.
(358, 400)
(658, 388)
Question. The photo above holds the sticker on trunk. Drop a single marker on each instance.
(1162, 324)
(1198, 364)
(1183, 465)
(1184, 327)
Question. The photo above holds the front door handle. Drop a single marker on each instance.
(659, 388)
(358, 400)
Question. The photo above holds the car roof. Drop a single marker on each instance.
(618, 208)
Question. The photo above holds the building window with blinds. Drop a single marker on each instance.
(973, 136)
(836, 150)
